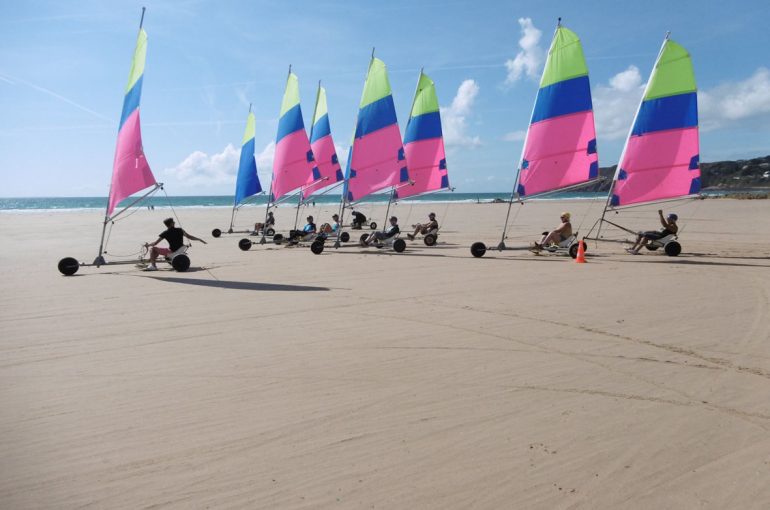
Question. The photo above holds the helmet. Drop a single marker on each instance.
(673, 216)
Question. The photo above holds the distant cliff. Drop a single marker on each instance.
(740, 174)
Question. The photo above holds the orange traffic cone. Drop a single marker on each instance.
(581, 254)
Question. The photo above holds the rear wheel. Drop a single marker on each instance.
(216, 232)
(278, 238)
(673, 248)
(270, 232)
(573, 249)
(399, 245)
(244, 244)
(651, 247)
(478, 249)
(68, 266)
(181, 263)
(429, 240)
(344, 237)
(363, 239)
(373, 225)
(317, 247)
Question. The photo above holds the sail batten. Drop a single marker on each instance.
(130, 171)
(424, 143)
(560, 145)
(661, 156)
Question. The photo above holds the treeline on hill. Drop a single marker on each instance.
(740, 174)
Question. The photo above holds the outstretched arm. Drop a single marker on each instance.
(662, 219)
(192, 237)
(150, 245)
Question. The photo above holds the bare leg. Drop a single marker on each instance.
(153, 255)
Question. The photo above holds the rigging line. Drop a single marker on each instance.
(590, 205)
(171, 206)
(513, 221)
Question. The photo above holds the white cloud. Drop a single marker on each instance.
(615, 104)
(733, 101)
(265, 164)
(529, 60)
(515, 136)
(454, 117)
(200, 169)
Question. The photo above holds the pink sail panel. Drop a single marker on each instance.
(424, 157)
(326, 158)
(130, 170)
(374, 166)
(655, 166)
(291, 163)
(551, 161)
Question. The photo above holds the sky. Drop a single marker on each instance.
(64, 68)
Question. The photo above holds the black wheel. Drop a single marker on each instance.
(673, 248)
(244, 244)
(317, 247)
(363, 238)
(68, 266)
(478, 249)
(429, 240)
(344, 237)
(373, 225)
(278, 238)
(399, 245)
(216, 232)
(181, 263)
(651, 247)
(573, 249)
(270, 232)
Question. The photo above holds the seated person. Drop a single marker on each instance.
(643, 238)
(424, 228)
(382, 236)
(309, 228)
(556, 236)
(330, 228)
(359, 220)
(269, 222)
(175, 238)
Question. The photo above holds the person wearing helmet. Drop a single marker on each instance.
(669, 227)
(556, 236)
(385, 234)
(296, 235)
(424, 228)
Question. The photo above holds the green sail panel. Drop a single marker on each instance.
(673, 74)
(377, 85)
(425, 99)
(565, 58)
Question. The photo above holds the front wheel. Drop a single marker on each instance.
(244, 244)
(478, 249)
(651, 247)
(181, 263)
(673, 248)
(68, 266)
(344, 237)
(278, 238)
(373, 225)
(270, 232)
(216, 232)
(399, 245)
(317, 247)
(362, 239)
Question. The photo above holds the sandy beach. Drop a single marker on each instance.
(276, 378)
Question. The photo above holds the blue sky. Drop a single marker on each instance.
(64, 66)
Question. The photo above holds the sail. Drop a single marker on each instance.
(424, 143)
(130, 170)
(322, 145)
(247, 183)
(661, 156)
(560, 146)
(293, 164)
(378, 160)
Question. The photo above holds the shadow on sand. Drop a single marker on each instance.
(227, 284)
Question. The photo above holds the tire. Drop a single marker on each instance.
(399, 245)
(344, 237)
(429, 240)
(362, 239)
(244, 244)
(216, 233)
(673, 248)
(478, 249)
(181, 263)
(68, 266)
(651, 247)
(270, 232)
(373, 225)
(317, 247)
(573, 249)
(278, 238)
